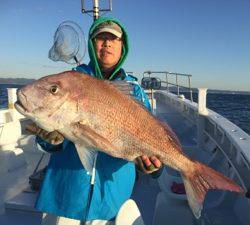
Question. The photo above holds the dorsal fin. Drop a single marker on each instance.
(125, 87)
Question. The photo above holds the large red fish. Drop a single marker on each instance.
(93, 113)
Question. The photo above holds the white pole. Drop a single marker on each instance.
(96, 9)
(202, 111)
(12, 98)
(202, 101)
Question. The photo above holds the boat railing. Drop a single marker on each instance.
(214, 129)
(164, 78)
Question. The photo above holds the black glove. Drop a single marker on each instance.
(54, 137)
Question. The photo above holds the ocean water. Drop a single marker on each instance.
(235, 107)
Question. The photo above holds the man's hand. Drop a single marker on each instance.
(148, 164)
(54, 137)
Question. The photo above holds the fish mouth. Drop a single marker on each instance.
(20, 108)
(21, 103)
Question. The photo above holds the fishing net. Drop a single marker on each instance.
(69, 43)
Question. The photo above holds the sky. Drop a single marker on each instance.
(209, 39)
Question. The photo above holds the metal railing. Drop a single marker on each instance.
(168, 84)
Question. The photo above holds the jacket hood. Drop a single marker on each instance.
(92, 55)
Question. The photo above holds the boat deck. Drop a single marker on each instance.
(16, 202)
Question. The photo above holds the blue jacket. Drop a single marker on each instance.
(66, 187)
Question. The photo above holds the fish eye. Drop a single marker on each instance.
(54, 89)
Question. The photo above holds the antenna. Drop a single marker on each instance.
(96, 10)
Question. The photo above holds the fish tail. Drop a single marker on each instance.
(200, 180)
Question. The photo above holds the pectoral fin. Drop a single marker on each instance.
(87, 156)
(90, 140)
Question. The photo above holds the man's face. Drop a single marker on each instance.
(108, 49)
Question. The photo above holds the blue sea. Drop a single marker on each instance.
(235, 106)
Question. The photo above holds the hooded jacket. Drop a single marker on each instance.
(93, 67)
(66, 189)
(92, 54)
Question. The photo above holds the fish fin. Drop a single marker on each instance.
(171, 135)
(91, 138)
(123, 86)
(200, 180)
(87, 156)
(127, 88)
(194, 204)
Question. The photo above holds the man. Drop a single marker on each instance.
(68, 190)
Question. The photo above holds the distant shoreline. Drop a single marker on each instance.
(214, 91)
(16, 81)
(227, 92)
